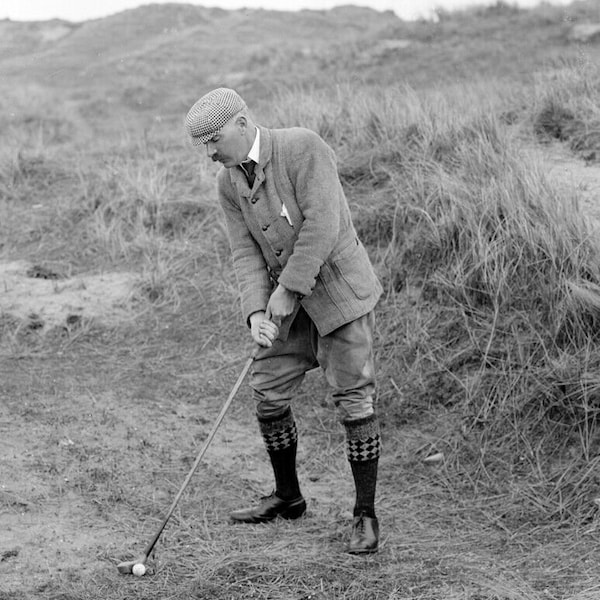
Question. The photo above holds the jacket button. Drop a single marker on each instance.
(278, 252)
(265, 227)
(254, 200)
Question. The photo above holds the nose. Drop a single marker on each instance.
(210, 149)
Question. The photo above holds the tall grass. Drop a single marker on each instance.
(565, 107)
(508, 333)
(142, 202)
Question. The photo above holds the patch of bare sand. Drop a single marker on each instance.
(36, 296)
(571, 175)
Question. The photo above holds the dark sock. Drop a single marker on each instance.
(365, 480)
(281, 436)
(364, 448)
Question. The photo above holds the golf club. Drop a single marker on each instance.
(127, 566)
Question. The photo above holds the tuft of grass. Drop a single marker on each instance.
(565, 108)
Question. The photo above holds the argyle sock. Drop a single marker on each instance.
(281, 440)
(363, 449)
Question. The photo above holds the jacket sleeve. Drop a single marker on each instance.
(313, 172)
(248, 262)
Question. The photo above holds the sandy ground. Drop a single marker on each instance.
(45, 299)
(570, 174)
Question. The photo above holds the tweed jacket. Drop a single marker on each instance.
(294, 227)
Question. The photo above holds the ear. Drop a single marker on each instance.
(242, 123)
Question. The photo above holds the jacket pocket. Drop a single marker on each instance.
(352, 265)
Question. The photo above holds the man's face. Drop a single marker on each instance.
(229, 146)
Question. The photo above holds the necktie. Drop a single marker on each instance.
(248, 168)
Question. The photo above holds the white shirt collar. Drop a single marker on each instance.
(254, 153)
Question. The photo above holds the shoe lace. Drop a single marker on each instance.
(361, 523)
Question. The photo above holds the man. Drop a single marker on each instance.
(308, 291)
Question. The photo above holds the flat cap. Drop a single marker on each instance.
(211, 112)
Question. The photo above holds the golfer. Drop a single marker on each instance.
(308, 291)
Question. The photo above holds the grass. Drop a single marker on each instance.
(482, 233)
(487, 348)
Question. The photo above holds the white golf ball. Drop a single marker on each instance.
(139, 569)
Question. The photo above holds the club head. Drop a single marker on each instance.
(126, 568)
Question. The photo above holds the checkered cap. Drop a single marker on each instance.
(211, 112)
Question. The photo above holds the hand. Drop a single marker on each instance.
(264, 332)
(281, 304)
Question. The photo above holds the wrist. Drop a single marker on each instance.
(289, 292)
(257, 316)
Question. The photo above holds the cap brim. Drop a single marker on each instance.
(198, 140)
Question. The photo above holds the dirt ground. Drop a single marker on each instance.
(98, 435)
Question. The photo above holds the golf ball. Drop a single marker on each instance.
(139, 569)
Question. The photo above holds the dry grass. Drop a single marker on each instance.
(466, 219)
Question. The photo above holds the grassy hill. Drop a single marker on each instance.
(120, 333)
(156, 59)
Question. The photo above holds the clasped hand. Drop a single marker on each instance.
(264, 325)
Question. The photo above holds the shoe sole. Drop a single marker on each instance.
(370, 551)
(292, 513)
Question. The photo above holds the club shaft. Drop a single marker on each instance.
(207, 443)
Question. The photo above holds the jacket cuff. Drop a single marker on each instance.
(300, 281)
(249, 307)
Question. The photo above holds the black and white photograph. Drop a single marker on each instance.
(300, 300)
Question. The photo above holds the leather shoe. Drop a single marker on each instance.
(365, 535)
(269, 508)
